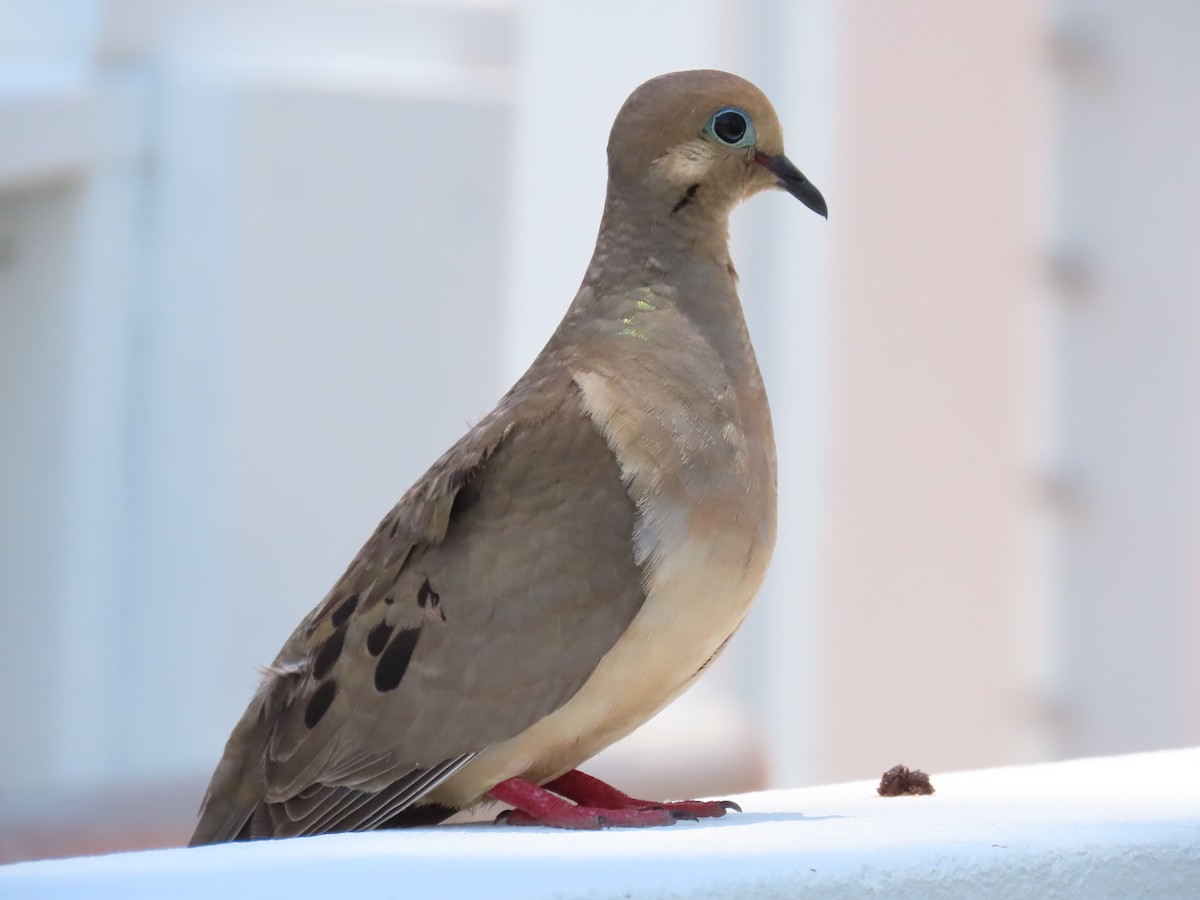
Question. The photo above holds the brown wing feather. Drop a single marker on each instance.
(321, 808)
(481, 603)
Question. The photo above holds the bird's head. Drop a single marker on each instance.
(700, 142)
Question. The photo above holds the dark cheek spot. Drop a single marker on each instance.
(394, 662)
(377, 638)
(318, 704)
(328, 654)
(687, 198)
(344, 611)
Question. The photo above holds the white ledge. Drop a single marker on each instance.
(1113, 827)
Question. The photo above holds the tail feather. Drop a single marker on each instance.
(238, 784)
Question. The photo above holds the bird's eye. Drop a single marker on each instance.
(732, 127)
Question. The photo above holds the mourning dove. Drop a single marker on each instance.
(578, 558)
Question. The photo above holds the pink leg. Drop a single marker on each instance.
(588, 791)
(537, 806)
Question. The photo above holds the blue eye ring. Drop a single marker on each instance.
(732, 127)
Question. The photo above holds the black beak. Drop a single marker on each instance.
(793, 181)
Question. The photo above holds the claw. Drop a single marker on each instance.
(699, 809)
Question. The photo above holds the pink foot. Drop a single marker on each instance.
(537, 806)
(589, 791)
(599, 805)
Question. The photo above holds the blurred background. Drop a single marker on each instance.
(261, 261)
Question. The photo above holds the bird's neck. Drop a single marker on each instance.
(643, 242)
(642, 255)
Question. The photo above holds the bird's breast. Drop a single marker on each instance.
(701, 472)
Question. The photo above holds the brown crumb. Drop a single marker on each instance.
(900, 780)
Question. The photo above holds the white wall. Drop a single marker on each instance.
(235, 343)
(1126, 223)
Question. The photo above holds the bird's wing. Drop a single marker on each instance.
(481, 604)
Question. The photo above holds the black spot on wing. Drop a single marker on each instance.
(328, 653)
(394, 662)
(318, 703)
(344, 611)
(427, 596)
(377, 638)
